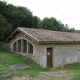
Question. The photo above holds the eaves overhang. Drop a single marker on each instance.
(24, 32)
(59, 42)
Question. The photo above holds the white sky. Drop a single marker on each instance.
(46, 8)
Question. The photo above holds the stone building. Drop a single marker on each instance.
(47, 48)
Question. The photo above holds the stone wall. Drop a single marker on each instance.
(66, 54)
(62, 54)
(40, 55)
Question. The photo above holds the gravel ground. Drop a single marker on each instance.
(59, 75)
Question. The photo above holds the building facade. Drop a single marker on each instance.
(47, 48)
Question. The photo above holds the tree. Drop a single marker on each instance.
(5, 28)
(72, 30)
(3, 7)
(13, 16)
(36, 22)
(54, 24)
(25, 16)
(51, 24)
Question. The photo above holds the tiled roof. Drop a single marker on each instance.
(52, 36)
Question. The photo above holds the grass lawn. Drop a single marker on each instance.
(8, 58)
(76, 68)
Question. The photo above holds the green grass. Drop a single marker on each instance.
(72, 67)
(76, 68)
(8, 58)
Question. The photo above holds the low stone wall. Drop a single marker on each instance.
(6, 77)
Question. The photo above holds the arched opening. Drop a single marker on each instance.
(23, 46)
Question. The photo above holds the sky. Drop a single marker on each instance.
(66, 11)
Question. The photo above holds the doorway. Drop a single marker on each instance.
(49, 57)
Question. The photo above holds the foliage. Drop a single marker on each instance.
(74, 67)
(5, 28)
(23, 17)
(53, 24)
(36, 22)
(50, 23)
(11, 17)
(67, 29)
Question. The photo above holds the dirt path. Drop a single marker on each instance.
(59, 75)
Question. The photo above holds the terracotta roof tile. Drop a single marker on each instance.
(53, 36)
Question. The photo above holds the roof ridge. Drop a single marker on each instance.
(49, 30)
